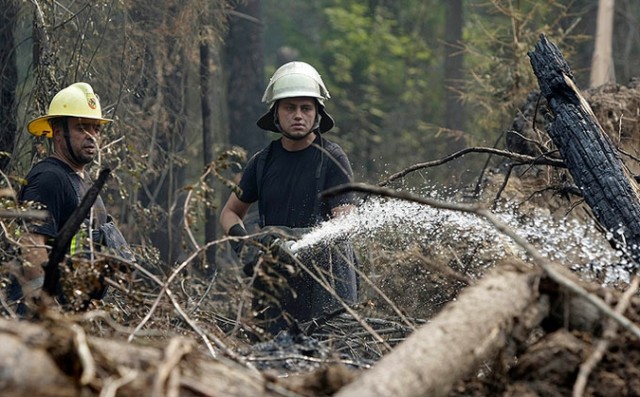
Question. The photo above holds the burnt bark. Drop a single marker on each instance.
(61, 243)
(592, 159)
(245, 62)
(208, 139)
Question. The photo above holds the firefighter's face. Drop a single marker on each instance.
(297, 116)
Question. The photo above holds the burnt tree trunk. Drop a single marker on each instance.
(208, 139)
(592, 159)
(245, 63)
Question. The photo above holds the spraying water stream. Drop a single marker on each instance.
(571, 242)
(398, 226)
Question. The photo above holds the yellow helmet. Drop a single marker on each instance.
(77, 100)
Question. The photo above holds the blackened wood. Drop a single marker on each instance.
(592, 159)
(60, 244)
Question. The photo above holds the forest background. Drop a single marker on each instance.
(411, 81)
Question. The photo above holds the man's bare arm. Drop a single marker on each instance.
(233, 212)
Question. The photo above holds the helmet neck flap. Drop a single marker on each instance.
(295, 79)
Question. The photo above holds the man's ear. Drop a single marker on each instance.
(58, 134)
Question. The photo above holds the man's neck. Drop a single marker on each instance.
(293, 145)
(79, 169)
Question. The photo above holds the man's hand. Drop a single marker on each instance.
(35, 253)
(237, 230)
(274, 241)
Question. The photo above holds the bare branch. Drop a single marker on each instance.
(31, 215)
(542, 160)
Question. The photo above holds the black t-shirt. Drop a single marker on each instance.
(50, 183)
(290, 185)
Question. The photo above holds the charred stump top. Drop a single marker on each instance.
(592, 159)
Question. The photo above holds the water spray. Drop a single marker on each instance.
(405, 223)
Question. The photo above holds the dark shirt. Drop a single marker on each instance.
(50, 183)
(289, 191)
(290, 183)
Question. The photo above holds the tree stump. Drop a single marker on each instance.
(607, 186)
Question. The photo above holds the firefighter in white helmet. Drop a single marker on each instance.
(73, 121)
(286, 179)
(296, 79)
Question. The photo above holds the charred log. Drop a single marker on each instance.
(52, 270)
(592, 159)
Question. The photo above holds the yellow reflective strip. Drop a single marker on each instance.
(74, 242)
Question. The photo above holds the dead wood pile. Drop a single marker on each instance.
(57, 358)
(515, 311)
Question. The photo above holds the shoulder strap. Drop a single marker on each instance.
(321, 172)
(100, 220)
(261, 160)
(333, 151)
(76, 187)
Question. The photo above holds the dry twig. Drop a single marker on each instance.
(603, 344)
(542, 160)
(84, 353)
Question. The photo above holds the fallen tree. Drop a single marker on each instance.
(471, 329)
(466, 333)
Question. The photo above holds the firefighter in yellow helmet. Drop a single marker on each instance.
(73, 121)
(285, 179)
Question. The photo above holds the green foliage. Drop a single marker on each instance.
(381, 60)
(498, 36)
(374, 65)
(383, 64)
(375, 72)
(142, 58)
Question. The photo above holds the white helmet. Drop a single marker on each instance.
(295, 79)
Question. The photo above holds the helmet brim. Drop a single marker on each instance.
(40, 126)
(267, 121)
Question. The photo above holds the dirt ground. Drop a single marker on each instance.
(549, 365)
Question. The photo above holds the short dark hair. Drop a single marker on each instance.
(58, 122)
